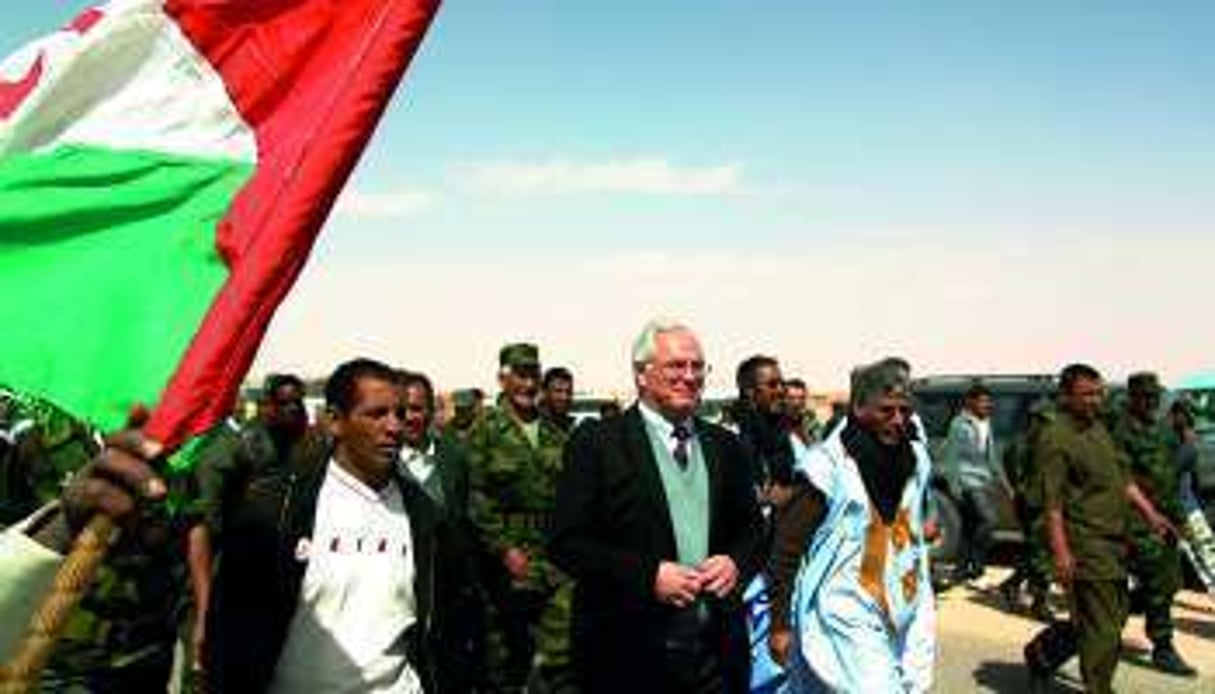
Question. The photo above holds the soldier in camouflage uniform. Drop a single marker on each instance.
(121, 637)
(514, 460)
(466, 410)
(1034, 565)
(1155, 563)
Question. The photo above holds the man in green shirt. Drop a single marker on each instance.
(466, 409)
(1156, 563)
(1088, 494)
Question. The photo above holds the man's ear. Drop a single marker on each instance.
(333, 422)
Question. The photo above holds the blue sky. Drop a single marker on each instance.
(977, 185)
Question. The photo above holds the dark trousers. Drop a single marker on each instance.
(979, 520)
(683, 655)
(1156, 565)
(550, 680)
(690, 658)
(1034, 563)
(1098, 613)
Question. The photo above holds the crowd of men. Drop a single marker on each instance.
(512, 549)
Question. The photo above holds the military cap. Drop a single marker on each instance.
(465, 397)
(1143, 382)
(519, 355)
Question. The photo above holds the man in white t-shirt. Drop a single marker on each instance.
(334, 577)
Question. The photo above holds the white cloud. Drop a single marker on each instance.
(403, 202)
(644, 176)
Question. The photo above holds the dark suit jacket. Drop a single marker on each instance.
(612, 527)
(452, 460)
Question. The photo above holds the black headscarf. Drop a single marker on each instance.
(884, 469)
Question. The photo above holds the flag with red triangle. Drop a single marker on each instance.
(165, 166)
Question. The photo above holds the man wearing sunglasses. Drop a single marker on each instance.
(763, 430)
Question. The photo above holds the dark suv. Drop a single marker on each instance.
(938, 399)
(1199, 391)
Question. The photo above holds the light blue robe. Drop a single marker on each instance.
(849, 637)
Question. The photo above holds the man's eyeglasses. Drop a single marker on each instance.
(674, 369)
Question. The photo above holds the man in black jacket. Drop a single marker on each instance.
(657, 521)
(763, 428)
(337, 574)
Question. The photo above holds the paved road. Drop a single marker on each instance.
(980, 646)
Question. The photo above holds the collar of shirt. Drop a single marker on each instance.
(982, 425)
(354, 484)
(664, 428)
(409, 453)
(1075, 423)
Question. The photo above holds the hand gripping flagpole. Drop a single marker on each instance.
(74, 576)
(20, 674)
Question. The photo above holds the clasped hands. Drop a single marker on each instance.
(679, 586)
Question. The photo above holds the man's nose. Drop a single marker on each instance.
(395, 424)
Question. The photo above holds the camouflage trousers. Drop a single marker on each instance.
(64, 677)
(1156, 566)
(528, 640)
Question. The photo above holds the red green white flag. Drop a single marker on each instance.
(165, 166)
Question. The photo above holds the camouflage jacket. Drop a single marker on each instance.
(40, 447)
(512, 486)
(1147, 446)
(121, 636)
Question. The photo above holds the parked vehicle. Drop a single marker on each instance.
(1199, 391)
(938, 399)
